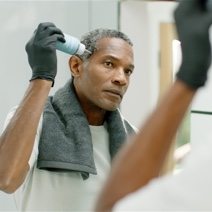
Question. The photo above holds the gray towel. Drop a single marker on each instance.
(65, 142)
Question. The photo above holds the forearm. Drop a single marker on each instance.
(17, 140)
(142, 158)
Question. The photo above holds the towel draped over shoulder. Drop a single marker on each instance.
(65, 142)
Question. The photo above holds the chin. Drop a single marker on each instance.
(112, 108)
(109, 105)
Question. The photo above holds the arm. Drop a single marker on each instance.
(141, 159)
(17, 140)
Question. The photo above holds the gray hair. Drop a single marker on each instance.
(90, 40)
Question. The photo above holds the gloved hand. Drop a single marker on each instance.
(193, 21)
(41, 50)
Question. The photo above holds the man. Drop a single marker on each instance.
(56, 151)
(128, 187)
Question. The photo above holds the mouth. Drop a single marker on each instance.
(115, 93)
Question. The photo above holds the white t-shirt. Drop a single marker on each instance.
(64, 191)
(189, 190)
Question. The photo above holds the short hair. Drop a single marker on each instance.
(90, 39)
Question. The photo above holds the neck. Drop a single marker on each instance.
(94, 114)
(95, 118)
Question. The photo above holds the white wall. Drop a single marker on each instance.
(18, 20)
(201, 115)
(140, 20)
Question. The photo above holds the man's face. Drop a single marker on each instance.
(104, 79)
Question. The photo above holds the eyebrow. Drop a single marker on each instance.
(117, 59)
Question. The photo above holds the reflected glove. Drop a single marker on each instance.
(193, 22)
(41, 50)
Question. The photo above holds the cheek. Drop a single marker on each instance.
(92, 83)
(96, 77)
(92, 86)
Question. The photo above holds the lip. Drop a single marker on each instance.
(114, 92)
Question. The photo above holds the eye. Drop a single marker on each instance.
(108, 63)
(128, 72)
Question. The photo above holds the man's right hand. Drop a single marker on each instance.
(193, 22)
(41, 50)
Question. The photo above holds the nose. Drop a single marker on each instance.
(119, 77)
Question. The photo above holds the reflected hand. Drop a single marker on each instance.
(193, 22)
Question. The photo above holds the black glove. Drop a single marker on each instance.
(193, 22)
(41, 50)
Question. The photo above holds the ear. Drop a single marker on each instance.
(75, 65)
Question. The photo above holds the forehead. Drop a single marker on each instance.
(114, 46)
